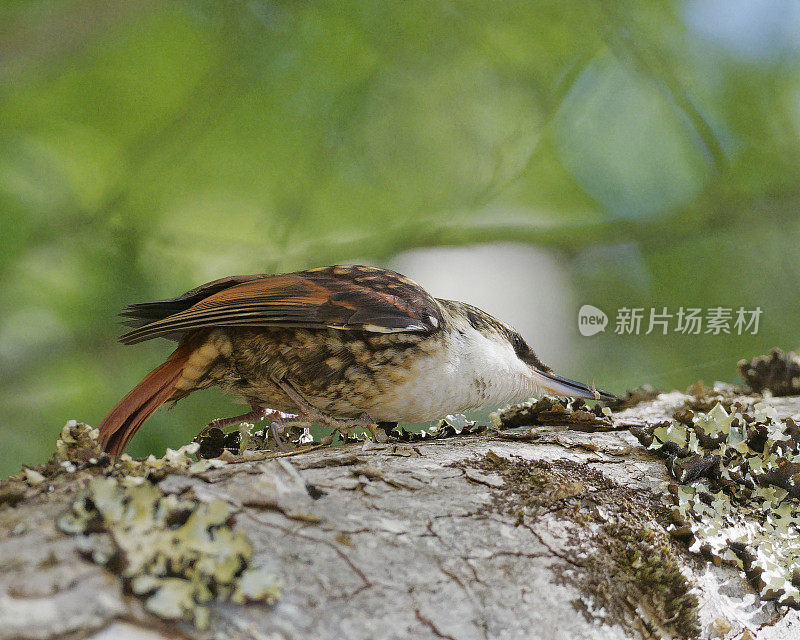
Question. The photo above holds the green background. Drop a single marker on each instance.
(652, 148)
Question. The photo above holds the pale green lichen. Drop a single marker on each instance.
(457, 421)
(77, 436)
(256, 585)
(739, 497)
(177, 554)
(179, 460)
(552, 410)
(78, 443)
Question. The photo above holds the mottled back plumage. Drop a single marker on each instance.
(347, 297)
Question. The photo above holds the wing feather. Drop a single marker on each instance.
(342, 297)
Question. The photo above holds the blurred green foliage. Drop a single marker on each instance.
(146, 147)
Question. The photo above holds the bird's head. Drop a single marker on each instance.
(502, 346)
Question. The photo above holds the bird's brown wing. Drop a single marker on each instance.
(340, 297)
(142, 313)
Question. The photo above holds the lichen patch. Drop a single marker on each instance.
(178, 555)
(777, 373)
(627, 570)
(551, 410)
(737, 497)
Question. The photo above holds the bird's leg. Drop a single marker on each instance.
(278, 426)
(378, 432)
(310, 413)
(278, 420)
(256, 415)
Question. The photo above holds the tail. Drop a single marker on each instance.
(124, 420)
(566, 387)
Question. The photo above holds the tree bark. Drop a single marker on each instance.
(529, 533)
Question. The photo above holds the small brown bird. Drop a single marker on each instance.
(341, 346)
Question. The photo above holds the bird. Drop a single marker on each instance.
(341, 346)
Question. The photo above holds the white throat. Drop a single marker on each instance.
(489, 365)
(473, 371)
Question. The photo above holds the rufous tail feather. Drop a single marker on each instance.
(122, 422)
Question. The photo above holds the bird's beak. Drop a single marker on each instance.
(564, 387)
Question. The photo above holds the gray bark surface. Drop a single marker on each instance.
(407, 541)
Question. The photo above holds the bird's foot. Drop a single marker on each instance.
(278, 421)
(378, 432)
(279, 425)
(345, 427)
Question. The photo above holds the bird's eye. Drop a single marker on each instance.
(519, 344)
